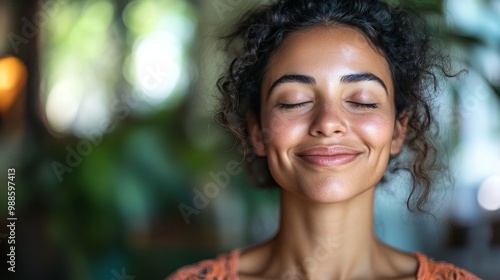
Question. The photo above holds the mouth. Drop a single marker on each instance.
(329, 156)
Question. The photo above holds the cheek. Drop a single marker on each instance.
(279, 129)
(376, 129)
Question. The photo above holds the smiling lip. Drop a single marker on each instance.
(329, 156)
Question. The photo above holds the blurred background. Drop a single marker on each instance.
(120, 172)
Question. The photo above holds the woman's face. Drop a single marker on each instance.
(328, 123)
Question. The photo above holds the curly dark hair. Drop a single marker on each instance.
(398, 34)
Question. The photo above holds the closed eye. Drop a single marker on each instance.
(292, 105)
(364, 105)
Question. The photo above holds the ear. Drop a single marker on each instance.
(256, 134)
(399, 134)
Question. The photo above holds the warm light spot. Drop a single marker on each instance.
(489, 194)
(13, 76)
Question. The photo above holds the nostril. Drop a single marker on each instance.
(328, 124)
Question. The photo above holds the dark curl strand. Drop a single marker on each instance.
(398, 35)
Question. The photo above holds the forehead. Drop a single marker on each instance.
(327, 52)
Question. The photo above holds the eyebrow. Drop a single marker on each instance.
(361, 77)
(292, 78)
(347, 79)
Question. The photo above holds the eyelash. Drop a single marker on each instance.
(292, 106)
(355, 104)
(364, 105)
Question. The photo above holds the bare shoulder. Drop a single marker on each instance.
(400, 265)
(253, 262)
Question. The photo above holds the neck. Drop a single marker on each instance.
(325, 239)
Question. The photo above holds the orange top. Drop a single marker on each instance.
(224, 267)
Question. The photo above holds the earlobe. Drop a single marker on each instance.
(399, 134)
(256, 135)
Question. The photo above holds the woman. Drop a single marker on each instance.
(326, 93)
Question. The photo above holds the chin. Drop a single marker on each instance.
(328, 191)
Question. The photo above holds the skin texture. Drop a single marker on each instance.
(327, 127)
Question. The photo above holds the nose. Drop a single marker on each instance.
(328, 120)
